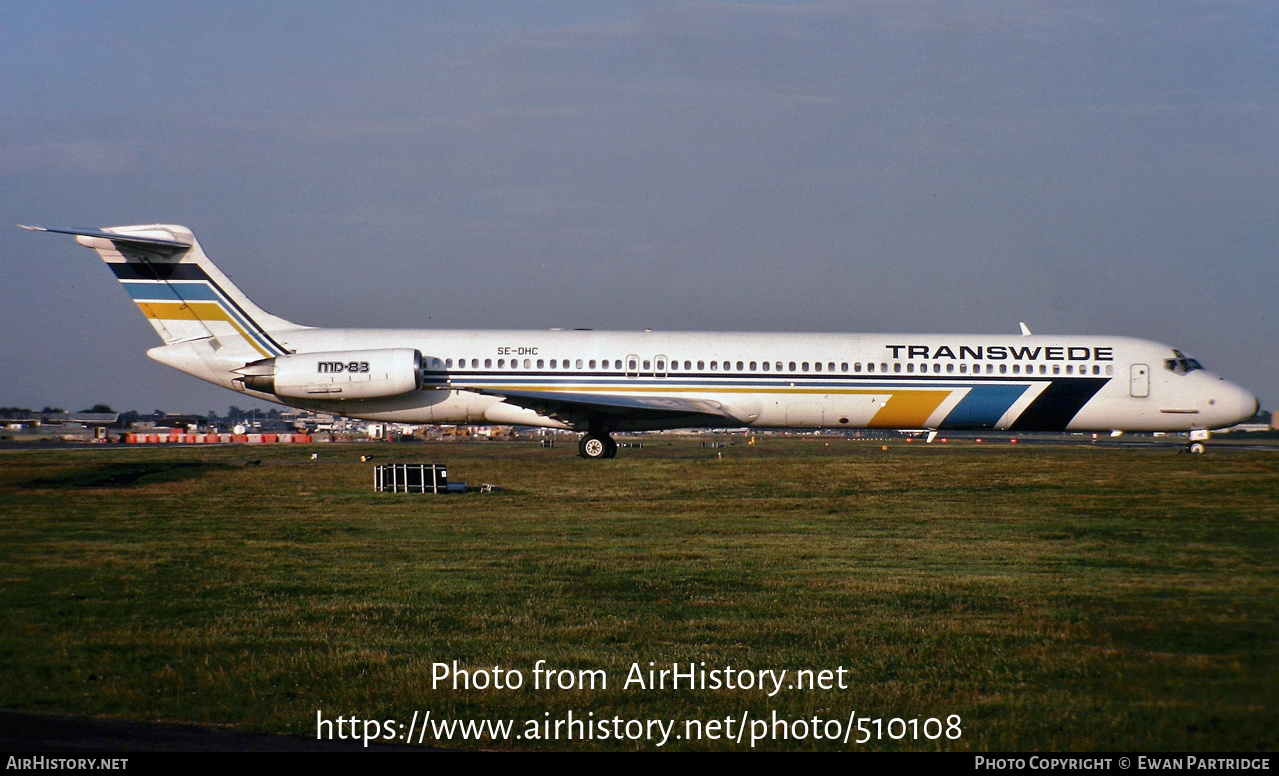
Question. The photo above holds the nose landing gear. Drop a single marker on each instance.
(1197, 439)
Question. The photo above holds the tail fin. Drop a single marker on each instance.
(179, 289)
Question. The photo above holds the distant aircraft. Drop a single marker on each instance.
(598, 382)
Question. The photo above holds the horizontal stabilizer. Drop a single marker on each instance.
(126, 239)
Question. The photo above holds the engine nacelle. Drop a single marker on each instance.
(337, 374)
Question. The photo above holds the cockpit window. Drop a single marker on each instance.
(1181, 364)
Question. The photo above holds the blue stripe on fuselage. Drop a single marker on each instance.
(983, 406)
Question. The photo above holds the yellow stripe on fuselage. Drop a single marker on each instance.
(908, 409)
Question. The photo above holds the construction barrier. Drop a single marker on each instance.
(176, 437)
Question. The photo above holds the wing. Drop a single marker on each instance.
(623, 412)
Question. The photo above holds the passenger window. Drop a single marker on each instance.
(897, 367)
(843, 367)
(950, 368)
(870, 367)
(632, 366)
(792, 366)
(752, 366)
(488, 363)
(540, 363)
(765, 365)
(714, 366)
(701, 364)
(818, 366)
(740, 367)
(501, 362)
(804, 366)
(910, 367)
(579, 363)
(688, 365)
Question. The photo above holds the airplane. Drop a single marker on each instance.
(601, 382)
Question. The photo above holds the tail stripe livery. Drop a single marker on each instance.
(186, 292)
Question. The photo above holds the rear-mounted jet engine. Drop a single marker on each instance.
(338, 374)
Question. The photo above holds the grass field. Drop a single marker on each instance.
(1054, 597)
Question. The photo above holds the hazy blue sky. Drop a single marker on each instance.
(867, 166)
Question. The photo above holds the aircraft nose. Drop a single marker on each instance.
(1253, 405)
(1241, 402)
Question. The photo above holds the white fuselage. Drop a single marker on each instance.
(927, 381)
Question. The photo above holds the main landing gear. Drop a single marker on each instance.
(595, 445)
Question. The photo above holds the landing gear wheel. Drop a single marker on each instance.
(1197, 448)
(596, 446)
